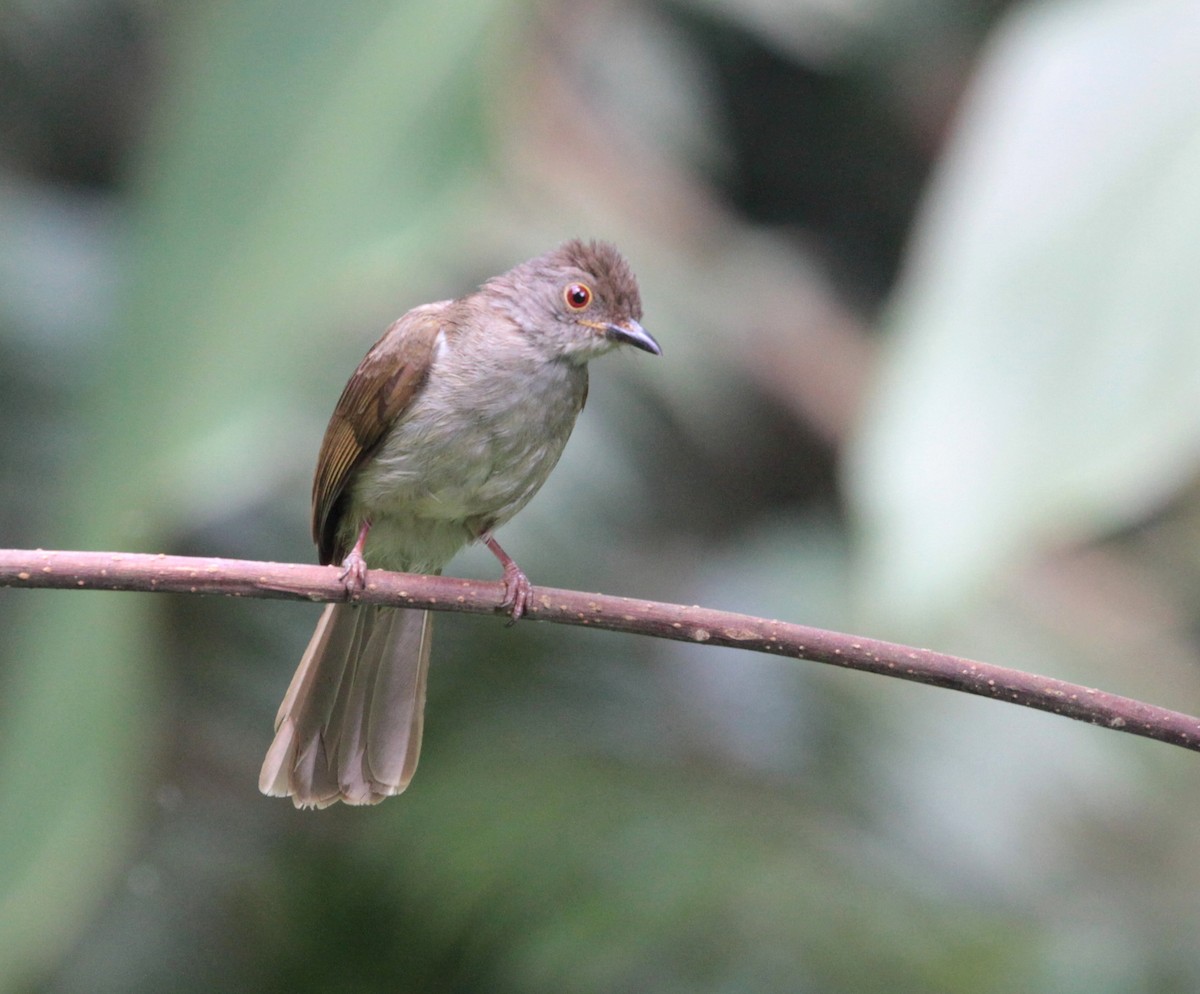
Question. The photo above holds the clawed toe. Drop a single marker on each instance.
(354, 573)
(518, 592)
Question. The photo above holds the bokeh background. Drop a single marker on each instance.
(926, 276)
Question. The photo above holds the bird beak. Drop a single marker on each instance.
(631, 333)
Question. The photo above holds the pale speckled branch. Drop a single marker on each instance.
(293, 581)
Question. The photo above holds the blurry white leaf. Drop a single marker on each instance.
(1043, 379)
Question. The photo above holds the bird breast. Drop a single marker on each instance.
(476, 444)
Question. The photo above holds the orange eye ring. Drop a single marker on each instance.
(577, 296)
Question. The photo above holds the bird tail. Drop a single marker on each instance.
(349, 728)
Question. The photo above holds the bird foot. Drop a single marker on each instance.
(518, 591)
(354, 573)
(354, 566)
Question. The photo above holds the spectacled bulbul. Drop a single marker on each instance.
(447, 428)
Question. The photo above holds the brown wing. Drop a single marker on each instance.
(379, 392)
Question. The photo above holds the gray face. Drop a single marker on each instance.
(577, 302)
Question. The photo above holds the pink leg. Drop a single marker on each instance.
(518, 591)
(354, 566)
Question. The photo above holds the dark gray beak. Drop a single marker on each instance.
(631, 333)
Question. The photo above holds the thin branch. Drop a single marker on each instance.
(701, 626)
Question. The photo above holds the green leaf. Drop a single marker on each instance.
(291, 136)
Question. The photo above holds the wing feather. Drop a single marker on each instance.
(381, 390)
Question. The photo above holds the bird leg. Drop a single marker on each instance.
(518, 591)
(354, 566)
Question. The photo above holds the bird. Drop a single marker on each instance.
(448, 427)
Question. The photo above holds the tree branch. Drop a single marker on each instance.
(703, 626)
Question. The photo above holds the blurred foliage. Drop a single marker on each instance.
(970, 424)
(1063, 231)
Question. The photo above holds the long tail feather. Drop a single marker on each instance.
(349, 728)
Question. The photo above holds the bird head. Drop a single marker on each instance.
(579, 301)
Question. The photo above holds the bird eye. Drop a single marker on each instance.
(578, 296)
